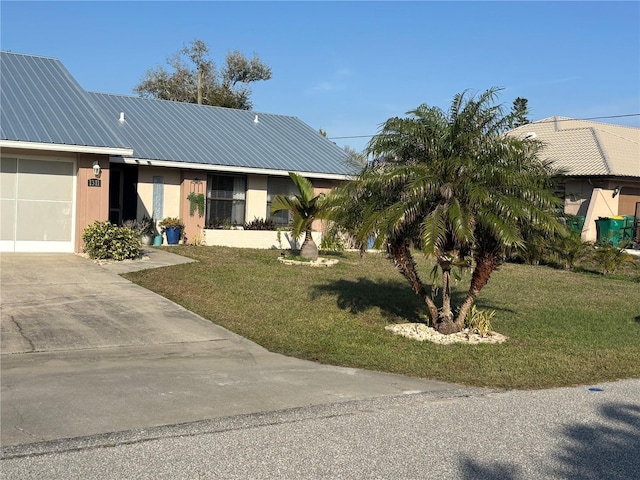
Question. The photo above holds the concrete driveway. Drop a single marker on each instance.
(87, 352)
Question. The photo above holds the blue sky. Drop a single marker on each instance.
(346, 67)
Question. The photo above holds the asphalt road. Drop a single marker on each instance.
(568, 433)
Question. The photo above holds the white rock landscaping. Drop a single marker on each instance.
(421, 332)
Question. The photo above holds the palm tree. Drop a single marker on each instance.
(455, 185)
(306, 207)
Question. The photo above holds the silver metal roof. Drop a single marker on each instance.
(41, 103)
(216, 136)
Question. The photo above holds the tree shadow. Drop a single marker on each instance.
(610, 450)
(637, 319)
(393, 298)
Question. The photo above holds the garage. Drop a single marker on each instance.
(37, 198)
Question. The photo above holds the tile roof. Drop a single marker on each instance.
(584, 148)
(42, 103)
(216, 136)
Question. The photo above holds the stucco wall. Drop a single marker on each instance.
(171, 191)
(256, 199)
(578, 193)
(92, 203)
(265, 239)
(601, 204)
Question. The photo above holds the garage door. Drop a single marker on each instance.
(37, 205)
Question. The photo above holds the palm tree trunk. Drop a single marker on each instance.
(401, 255)
(486, 264)
(309, 249)
(445, 323)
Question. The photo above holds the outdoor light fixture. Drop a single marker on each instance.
(96, 169)
(616, 191)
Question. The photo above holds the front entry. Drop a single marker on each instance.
(123, 193)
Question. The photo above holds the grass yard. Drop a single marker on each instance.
(564, 328)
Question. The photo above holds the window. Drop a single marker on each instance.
(225, 200)
(279, 186)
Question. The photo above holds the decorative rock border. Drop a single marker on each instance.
(421, 332)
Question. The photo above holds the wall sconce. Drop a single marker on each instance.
(96, 169)
(616, 191)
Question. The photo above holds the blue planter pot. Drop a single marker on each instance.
(173, 235)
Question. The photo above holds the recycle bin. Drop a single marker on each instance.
(576, 223)
(610, 229)
(627, 232)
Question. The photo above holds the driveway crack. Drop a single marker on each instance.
(22, 334)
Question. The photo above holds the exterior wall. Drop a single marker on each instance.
(595, 199)
(578, 192)
(179, 183)
(629, 196)
(192, 181)
(92, 203)
(256, 199)
(172, 187)
(266, 239)
(602, 204)
(322, 186)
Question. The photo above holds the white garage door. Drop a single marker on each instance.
(37, 205)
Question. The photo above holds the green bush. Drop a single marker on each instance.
(103, 240)
(260, 224)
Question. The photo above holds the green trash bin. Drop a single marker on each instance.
(627, 232)
(576, 223)
(610, 229)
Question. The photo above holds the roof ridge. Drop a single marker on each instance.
(134, 97)
(601, 149)
(7, 52)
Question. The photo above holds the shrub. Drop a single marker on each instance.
(260, 224)
(146, 226)
(610, 258)
(171, 222)
(103, 240)
(479, 321)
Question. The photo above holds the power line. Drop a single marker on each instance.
(538, 123)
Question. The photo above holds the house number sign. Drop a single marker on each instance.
(94, 182)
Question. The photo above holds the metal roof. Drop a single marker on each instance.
(41, 103)
(585, 148)
(215, 136)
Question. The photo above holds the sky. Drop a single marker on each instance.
(346, 67)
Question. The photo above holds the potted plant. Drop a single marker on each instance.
(146, 226)
(143, 229)
(173, 228)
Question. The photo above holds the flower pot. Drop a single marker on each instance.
(146, 239)
(173, 235)
(157, 240)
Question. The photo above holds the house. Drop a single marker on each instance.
(71, 157)
(600, 164)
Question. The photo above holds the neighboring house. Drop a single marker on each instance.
(151, 155)
(601, 165)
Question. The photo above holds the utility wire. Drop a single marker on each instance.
(537, 123)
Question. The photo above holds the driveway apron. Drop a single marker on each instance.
(86, 352)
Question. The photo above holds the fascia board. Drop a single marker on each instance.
(225, 168)
(60, 147)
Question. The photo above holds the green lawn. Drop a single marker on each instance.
(564, 328)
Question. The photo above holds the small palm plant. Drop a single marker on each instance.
(306, 207)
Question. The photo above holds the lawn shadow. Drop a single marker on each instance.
(609, 449)
(637, 319)
(392, 297)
